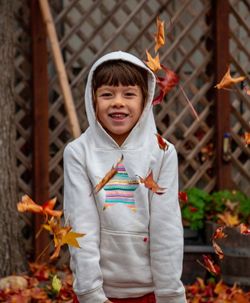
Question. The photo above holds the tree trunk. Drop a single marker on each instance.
(12, 258)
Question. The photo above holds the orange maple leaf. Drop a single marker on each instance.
(210, 265)
(107, 177)
(166, 84)
(62, 235)
(27, 204)
(151, 184)
(153, 63)
(227, 81)
(159, 36)
(161, 142)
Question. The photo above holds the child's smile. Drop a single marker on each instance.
(118, 109)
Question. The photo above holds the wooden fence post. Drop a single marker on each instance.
(222, 98)
(40, 120)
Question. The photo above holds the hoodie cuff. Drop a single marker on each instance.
(96, 296)
(173, 299)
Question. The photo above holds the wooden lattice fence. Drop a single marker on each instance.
(87, 29)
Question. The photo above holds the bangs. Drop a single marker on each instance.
(118, 72)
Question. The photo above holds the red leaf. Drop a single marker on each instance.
(183, 197)
(158, 99)
(161, 142)
(210, 266)
(169, 81)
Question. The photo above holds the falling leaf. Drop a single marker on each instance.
(244, 229)
(151, 184)
(227, 81)
(158, 99)
(183, 197)
(218, 250)
(27, 204)
(247, 138)
(159, 36)
(107, 177)
(228, 219)
(153, 63)
(169, 81)
(209, 265)
(166, 84)
(161, 142)
(62, 235)
(219, 233)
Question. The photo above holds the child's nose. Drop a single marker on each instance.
(118, 102)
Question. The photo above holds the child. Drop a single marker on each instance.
(133, 248)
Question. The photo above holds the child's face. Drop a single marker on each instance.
(118, 109)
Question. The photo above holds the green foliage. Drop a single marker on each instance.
(202, 206)
(193, 212)
(234, 201)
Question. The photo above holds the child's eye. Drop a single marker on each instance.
(106, 95)
(130, 94)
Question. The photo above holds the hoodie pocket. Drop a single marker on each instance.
(125, 258)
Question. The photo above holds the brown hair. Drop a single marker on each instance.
(119, 72)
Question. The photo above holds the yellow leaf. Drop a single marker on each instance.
(70, 239)
(153, 63)
(227, 81)
(56, 284)
(228, 219)
(159, 36)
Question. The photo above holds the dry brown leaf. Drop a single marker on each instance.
(160, 35)
(227, 81)
(153, 63)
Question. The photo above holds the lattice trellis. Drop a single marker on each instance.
(23, 117)
(240, 102)
(88, 29)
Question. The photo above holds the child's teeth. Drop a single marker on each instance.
(118, 115)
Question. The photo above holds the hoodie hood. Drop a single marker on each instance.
(145, 127)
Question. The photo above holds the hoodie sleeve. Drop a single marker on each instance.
(166, 235)
(81, 213)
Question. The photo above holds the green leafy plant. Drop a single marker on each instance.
(234, 202)
(193, 210)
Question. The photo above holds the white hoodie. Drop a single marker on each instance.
(125, 253)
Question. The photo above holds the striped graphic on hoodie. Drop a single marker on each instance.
(120, 189)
